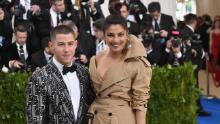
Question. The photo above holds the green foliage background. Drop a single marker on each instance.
(172, 101)
(12, 97)
(173, 96)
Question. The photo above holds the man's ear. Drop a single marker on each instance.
(50, 44)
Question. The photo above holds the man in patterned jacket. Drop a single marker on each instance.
(60, 92)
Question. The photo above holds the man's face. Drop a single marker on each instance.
(155, 15)
(63, 47)
(59, 6)
(21, 37)
(124, 12)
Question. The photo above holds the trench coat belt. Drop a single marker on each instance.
(112, 101)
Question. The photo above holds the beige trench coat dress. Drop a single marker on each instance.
(124, 88)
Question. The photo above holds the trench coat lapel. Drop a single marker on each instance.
(114, 75)
(117, 72)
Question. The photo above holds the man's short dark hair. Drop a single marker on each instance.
(190, 18)
(69, 23)
(114, 7)
(154, 6)
(115, 20)
(44, 42)
(53, 2)
(99, 24)
(20, 28)
(61, 29)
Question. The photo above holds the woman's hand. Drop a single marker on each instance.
(140, 117)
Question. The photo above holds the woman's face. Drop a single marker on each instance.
(217, 24)
(116, 38)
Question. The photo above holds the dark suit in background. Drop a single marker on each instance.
(11, 53)
(203, 31)
(187, 34)
(86, 15)
(166, 21)
(133, 28)
(38, 59)
(86, 44)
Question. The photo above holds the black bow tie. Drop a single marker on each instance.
(69, 69)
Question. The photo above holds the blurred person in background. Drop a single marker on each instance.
(43, 56)
(215, 48)
(99, 35)
(17, 55)
(187, 33)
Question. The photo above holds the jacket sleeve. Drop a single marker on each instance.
(141, 85)
(35, 102)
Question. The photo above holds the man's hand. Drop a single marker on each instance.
(194, 52)
(35, 8)
(163, 33)
(169, 44)
(83, 58)
(16, 64)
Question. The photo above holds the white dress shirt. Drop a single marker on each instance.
(18, 49)
(158, 21)
(27, 6)
(24, 48)
(72, 83)
(100, 46)
(47, 56)
(53, 16)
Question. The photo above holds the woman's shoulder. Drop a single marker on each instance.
(138, 62)
(95, 59)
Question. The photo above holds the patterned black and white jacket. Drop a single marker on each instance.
(48, 100)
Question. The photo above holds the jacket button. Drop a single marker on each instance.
(96, 112)
(99, 94)
(109, 95)
(109, 114)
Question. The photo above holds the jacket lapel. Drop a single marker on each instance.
(81, 78)
(66, 99)
(112, 77)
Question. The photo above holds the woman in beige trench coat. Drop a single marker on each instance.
(121, 77)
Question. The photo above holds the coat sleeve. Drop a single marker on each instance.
(35, 101)
(141, 85)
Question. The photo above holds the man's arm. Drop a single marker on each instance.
(35, 102)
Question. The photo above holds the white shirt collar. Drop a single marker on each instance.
(158, 20)
(190, 27)
(18, 46)
(59, 65)
(149, 51)
(47, 56)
